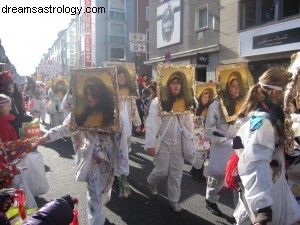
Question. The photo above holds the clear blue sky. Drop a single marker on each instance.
(26, 37)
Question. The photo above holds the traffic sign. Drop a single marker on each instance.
(137, 37)
(138, 47)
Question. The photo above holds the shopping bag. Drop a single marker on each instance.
(31, 130)
(35, 175)
(75, 213)
(85, 161)
(17, 213)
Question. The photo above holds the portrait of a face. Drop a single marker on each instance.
(205, 94)
(95, 99)
(127, 80)
(59, 86)
(234, 82)
(175, 88)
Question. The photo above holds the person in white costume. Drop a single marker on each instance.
(265, 196)
(220, 134)
(168, 157)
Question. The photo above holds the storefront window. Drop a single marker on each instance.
(290, 8)
(267, 10)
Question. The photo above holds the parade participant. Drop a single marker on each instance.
(128, 115)
(168, 158)
(234, 93)
(56, 93)
(176, 100)
(201, 145)
(100, 105)
(265, 196)
(101, 167)
(219, 133)
(8, 88)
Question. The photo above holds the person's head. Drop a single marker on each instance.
(269, 88)
(6, 83)
(233, 85)
(151, 88)
(122, 75)
(206, 97)
(273, 83)
(5, 104)
(94, 91)
(60, 85)
(175, 84)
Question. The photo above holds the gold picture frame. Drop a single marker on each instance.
(130, 89)
(291, 97)
(88, 113)
(225, 75)
(166, 74)
(64, 88)
(205, 93)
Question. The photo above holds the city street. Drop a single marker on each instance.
(140, 208)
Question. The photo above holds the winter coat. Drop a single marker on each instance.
(7, 132)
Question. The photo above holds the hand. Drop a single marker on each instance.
(40, 141)
(6, 199)
(151, 151)
(138, 129)
(21, 168)
(124, 188)
(70, 200)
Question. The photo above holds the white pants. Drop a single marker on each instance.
(169, 163)
(213, 188)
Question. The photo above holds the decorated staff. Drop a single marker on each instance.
(170, 129)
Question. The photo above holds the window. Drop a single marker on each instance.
(116, 33)
(116, 53)
(290, 8)
(117, 4)
(257, 12)
(201, 18)
(116, 15)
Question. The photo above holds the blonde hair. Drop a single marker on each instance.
(278, 77)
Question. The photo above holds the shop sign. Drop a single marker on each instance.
(202, 59)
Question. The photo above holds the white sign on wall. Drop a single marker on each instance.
(138, 47)
(137, 37)
(168, 23)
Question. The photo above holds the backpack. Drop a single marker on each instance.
(231, 174)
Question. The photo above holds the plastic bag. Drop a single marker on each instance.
(31, 130)
(75, 213)
(35, 175)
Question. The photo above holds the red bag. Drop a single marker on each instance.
(231, 175)
(75, 213)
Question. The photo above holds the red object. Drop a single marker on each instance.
(8, 132)
(231, 174)
(21, 202)
(75, 213)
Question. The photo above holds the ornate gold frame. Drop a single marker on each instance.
(109, 74)
(132, 74)
(291, 93)
(247, 80)
(56, 79)
(163, 73)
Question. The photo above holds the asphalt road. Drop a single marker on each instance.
(140, 208)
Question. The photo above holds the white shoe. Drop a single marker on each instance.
(176, 207)
(153, 189)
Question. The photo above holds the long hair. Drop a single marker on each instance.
(167, 105)
(63, 89)
(202, 107)
(105, 102)
(230, 102)
(128, 82)
(277, 77)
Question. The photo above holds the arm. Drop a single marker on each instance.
(13, 149)
(153, 124)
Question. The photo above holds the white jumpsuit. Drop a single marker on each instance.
(262, 185)
(216, 131)
(168, 161)
(103, 166)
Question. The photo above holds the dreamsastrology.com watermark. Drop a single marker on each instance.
(52, 9)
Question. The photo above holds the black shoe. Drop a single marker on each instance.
(213, 208)
(197, 175)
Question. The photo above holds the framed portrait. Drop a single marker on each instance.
(205, 93)
(175, 90)
(291, 109)
(233, 84)
(127, 80)
(59, 86)
(95, 100)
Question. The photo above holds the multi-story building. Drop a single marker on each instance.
(185, 31)
(262, 33)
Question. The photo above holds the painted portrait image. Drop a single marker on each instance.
(234, 82)
(95, 99)
(175, 84)
(205, 93)
(127, 80)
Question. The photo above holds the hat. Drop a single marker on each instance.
(5, 80)
(175, 76)
(4, 100)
